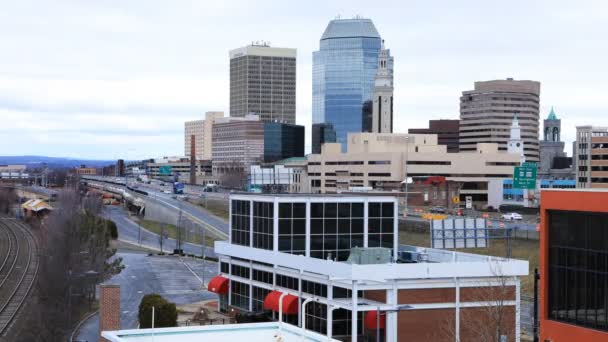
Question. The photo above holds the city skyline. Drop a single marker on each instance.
(118, 81)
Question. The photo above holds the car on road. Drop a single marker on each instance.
(167, 191)
(512, 217)
(438, 210)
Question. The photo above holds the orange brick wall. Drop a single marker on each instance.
(588, 201)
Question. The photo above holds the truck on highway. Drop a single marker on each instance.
(178, 188)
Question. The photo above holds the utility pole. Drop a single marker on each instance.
(203, 247)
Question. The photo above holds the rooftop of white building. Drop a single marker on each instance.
(250, 332)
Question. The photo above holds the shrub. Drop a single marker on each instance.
(113, 230)
(165, 312)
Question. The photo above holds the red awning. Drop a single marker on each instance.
(290, 303)
(371, 320)
(218, 285)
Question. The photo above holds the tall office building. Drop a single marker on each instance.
(446, 131)
(282, 141)
(193, 128)
(382, 112)
(344, 71)
(263, 82)
(202, 131)
(486, 114)
(322, 133)
(237, 143)
(592, 157)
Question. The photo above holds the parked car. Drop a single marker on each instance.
(512, 217)
(438, 210)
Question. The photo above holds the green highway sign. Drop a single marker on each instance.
(165, 170)
(524, 176)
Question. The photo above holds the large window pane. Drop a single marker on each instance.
(578, 259)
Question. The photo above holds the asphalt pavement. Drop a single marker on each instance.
(179, 280)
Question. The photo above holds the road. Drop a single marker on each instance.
(218, 225)
(168, 276)
(129, 231)
(191, 209)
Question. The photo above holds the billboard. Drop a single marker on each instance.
(459, 233)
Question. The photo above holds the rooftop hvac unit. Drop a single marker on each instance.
(369, 256)
(413, 256)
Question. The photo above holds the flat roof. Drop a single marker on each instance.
(440, 264)
(350, 194)
(250, 332)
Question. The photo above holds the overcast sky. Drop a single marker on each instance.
(117, 79)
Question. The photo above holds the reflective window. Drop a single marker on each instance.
(381, 225)
(578, 268)
(240, 222)
(263, 214)
(239, 295)
(292, 228)
(335, 228)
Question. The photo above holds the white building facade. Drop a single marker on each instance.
(297, 250)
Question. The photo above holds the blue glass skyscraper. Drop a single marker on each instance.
(343, 75)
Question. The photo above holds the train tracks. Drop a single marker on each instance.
(18, 268)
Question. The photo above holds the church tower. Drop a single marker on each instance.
(553, 127)
(382, 112)
(516, 145)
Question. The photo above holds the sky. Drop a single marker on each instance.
(117, 79)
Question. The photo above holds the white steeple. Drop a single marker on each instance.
(516, 145)
(382, 112)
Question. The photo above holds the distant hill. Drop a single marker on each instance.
(53, 162)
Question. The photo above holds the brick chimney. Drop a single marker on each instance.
(109, 309)
(192, 159)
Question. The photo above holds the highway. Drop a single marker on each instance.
(130, 232)
(190, 209)
(196, 214)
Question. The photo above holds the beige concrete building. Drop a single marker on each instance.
(380, 161)
(263, 82)
(238, 142)
(202, 131)
(195, 128)
(591, 153)
(486, 114)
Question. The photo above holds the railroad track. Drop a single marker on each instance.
(18, 270)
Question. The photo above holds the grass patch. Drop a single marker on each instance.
(171, 230)
(217, 208)
(520, 249)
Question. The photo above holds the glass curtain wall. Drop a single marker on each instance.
(344, 70)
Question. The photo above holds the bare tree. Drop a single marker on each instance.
(75, 256)
(489, 322)
(8, 198)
